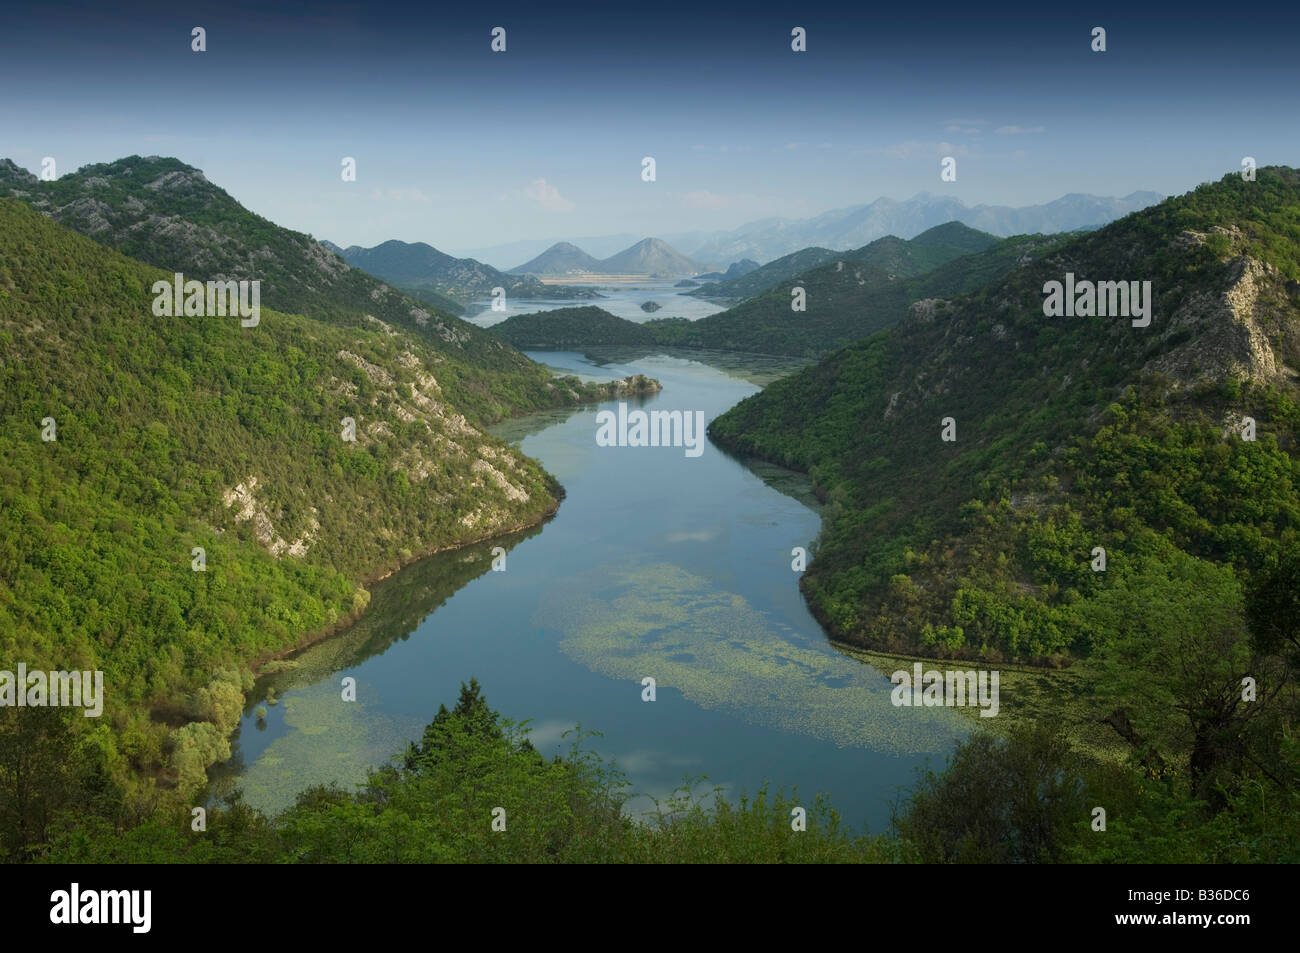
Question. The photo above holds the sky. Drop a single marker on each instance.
(463, 147)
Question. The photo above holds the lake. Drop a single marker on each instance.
(623, 301)
(657, 564)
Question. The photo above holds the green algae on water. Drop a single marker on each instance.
(722, 653)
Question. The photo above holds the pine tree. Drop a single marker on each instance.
(471, 716)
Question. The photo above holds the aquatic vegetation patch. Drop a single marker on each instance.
(330, 742)
(721, 653)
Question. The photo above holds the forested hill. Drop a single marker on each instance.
(853, 296)
(856, 294)
(128, 440)
(1072, 435)
(166, 213)
(571, 328)
(895, 256)
(765, 276)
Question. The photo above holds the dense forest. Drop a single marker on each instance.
(181, 499)
(1117, 498)
(1070, 434)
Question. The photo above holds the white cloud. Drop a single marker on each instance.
(1018, 130)
(547, 196)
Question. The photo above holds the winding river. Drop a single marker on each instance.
(657, 564)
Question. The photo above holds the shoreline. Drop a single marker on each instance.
(344, 623)
(363, 584)
(558, 494)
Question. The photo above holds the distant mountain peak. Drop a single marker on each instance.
(562, 258)
(738, 269)
(650, 256)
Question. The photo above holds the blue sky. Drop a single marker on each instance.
(462, 147)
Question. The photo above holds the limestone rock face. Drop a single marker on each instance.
(1223, 329)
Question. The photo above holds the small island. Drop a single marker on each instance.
(650, 307)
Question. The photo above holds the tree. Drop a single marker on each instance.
(1273, 606)
(1180, 645)
(471, 717)
(1000, 800)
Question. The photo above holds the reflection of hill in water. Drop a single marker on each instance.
(398, 605)
(516, 429)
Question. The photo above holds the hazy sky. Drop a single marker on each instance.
(461, 147)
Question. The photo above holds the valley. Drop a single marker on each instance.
(567, 630)
(286, 541)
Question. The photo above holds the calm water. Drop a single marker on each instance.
(657, 564)
(623, 301)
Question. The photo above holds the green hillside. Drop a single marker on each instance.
(167, 214)
(1101, 509)
(571, 327)
(766, 276)
(1072, 433)
(854, 296)
(895, 256)
(179, 432)
(925, 252)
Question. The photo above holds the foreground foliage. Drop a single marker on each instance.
(1028, 798)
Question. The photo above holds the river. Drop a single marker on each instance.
(657, 564)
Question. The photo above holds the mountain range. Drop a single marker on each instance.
(650, 256)
(851, 296)
(854, 226)
(425, 272)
